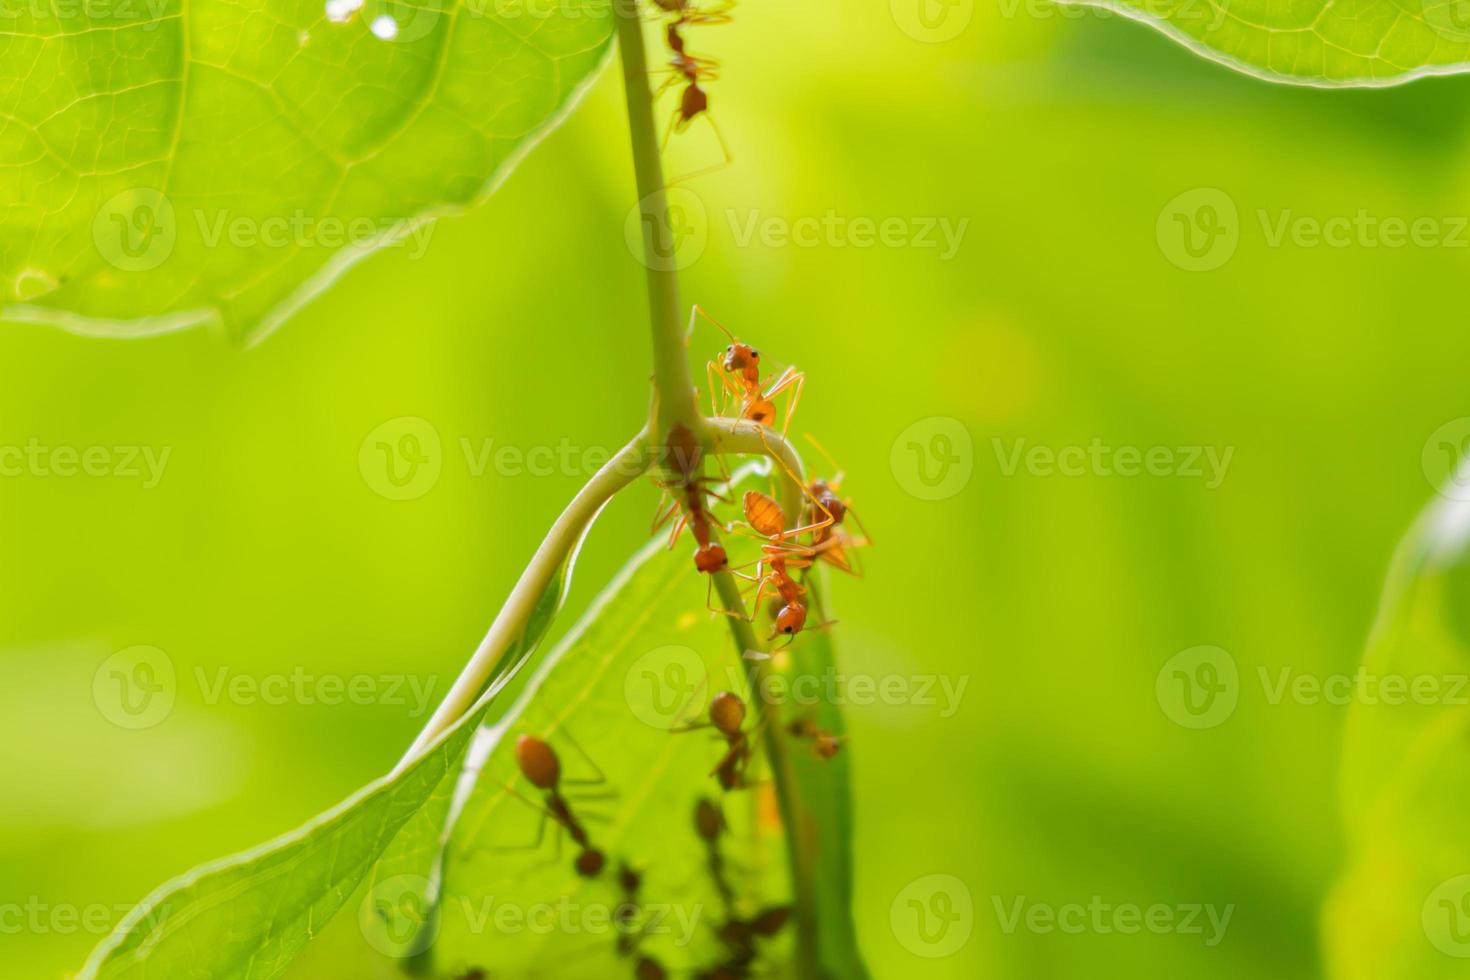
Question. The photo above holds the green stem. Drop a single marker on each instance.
(745, 438)
(510, 623)
(751, 438)
(675, 386)
(795, 816)
(676, 405)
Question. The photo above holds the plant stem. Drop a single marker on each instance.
(672, 380)
(796, 819)
(677, 406)
(510, 623)
(746, 438)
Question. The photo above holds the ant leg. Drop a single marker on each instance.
(540, 825)
(709, 603)
(709, 383)
(835, 481)
(734, 752)
(729, 157)
(795, 380)
(867, 538)
(661, 516)
(806, 490)
(678, 530)
(669, 133)
(701, 312)
(590, 761)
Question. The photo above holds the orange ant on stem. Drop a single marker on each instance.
(692, 488)
(833, 541)
(538, 762)
(739, 373)
(779, 556)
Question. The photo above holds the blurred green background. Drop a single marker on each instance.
(1063, 317)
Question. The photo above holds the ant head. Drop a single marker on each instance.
(710, 558)
(791, 619)
(590, 862)
(740, 356)
(831, 503)
(538, 762)
(707, 819)
(727, 712)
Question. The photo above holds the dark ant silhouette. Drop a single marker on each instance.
(824, 744)
(727, 716)
(740, 936)
(709, 824)
(645, 967)
(538, 762)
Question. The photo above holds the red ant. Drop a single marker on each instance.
(727, 716)
(686, 454)
(739, 373)
(691, 70)
(538, 762)
(824, 744)
(832, 541)
(778, 558)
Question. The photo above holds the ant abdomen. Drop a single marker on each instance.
(537, 762)
(727, 712)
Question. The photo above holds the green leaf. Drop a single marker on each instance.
(1401, 910)
(179, 162)
(247, 916)
(1325, 43)
(610, 700)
